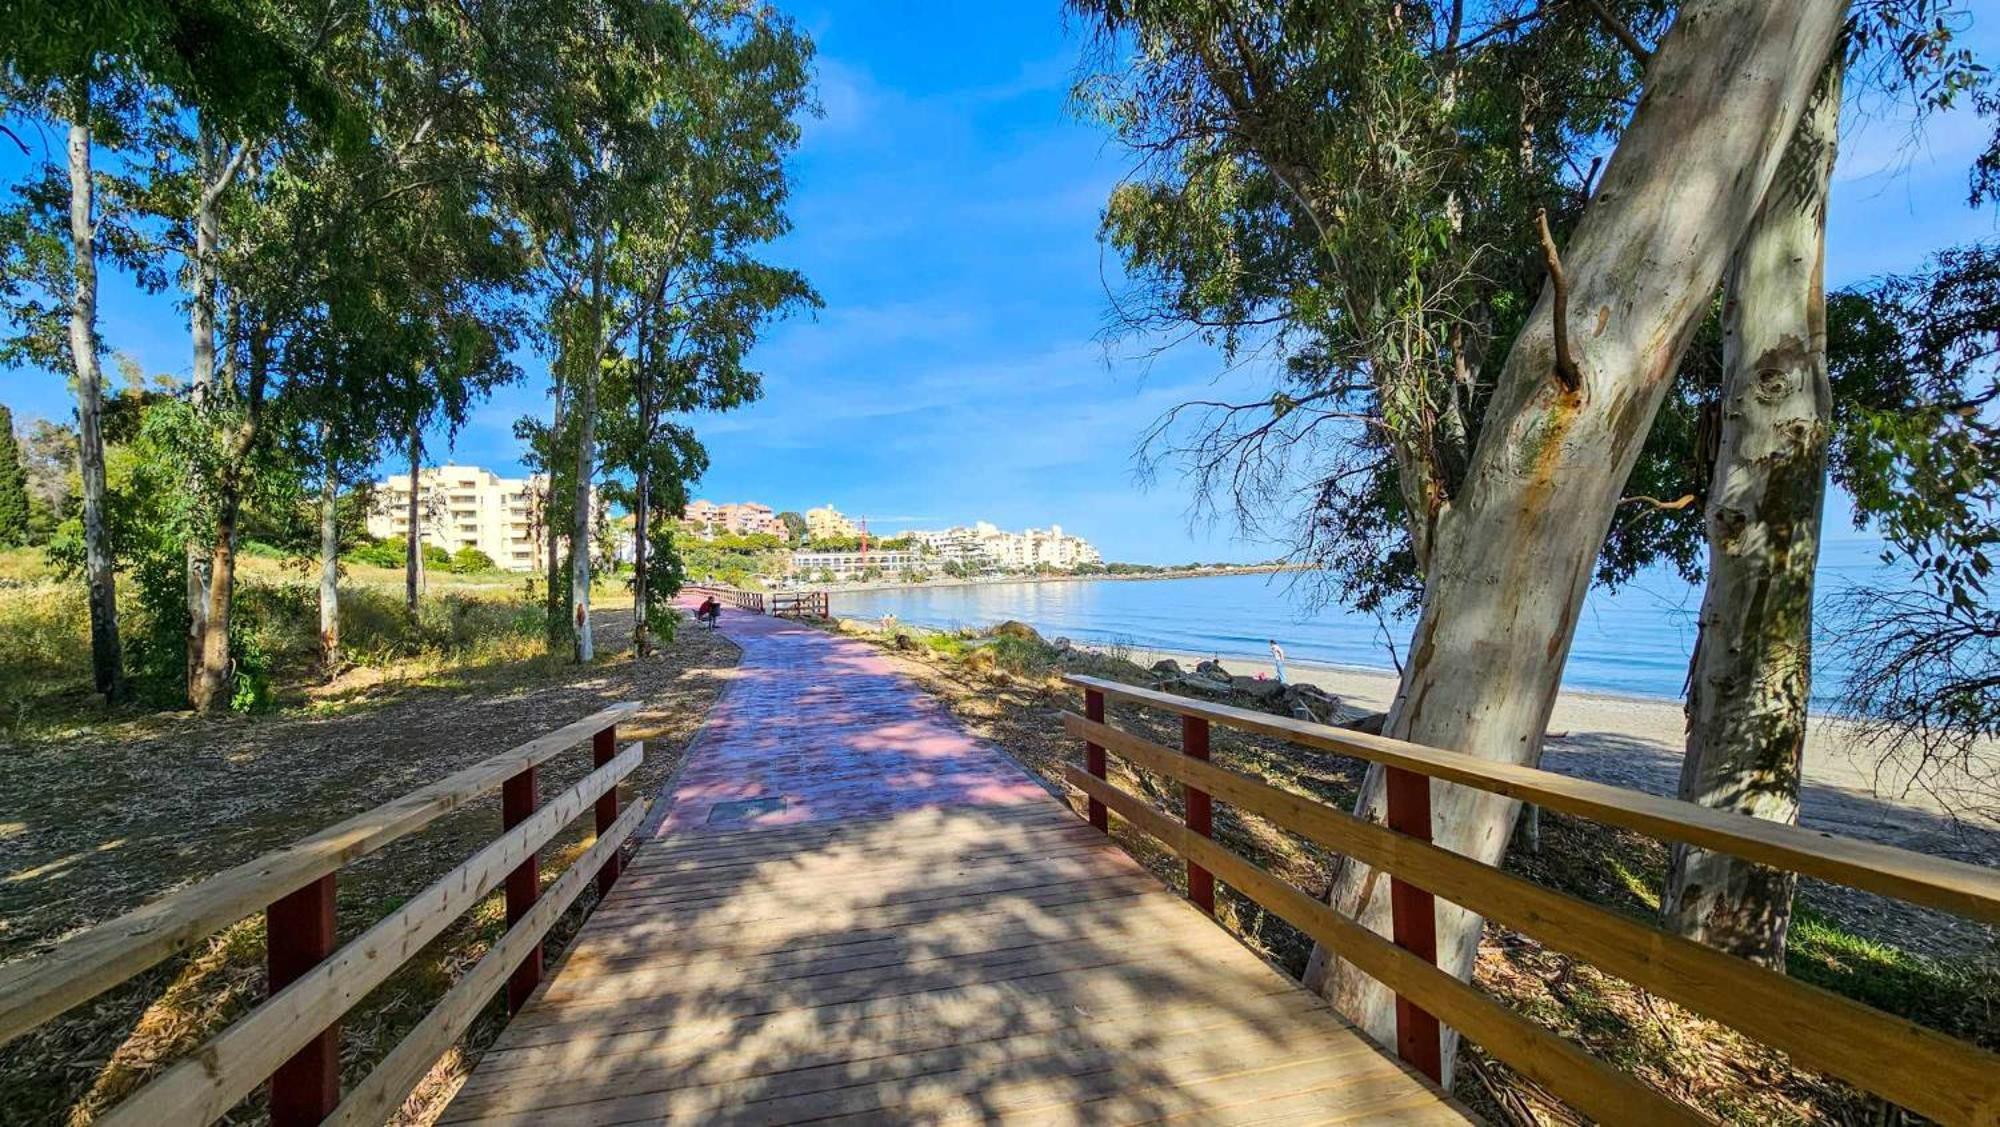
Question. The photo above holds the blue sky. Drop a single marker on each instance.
(946, 208)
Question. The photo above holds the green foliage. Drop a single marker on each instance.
(1917, 445)
(14, 529)
(392, 551)
(470, 561)
(795, 526)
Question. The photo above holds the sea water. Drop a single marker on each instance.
(1633, 641)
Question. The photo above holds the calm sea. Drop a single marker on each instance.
(1634, 641)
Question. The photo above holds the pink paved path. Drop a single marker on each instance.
(816, 726)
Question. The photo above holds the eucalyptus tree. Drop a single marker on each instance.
(364, 263)
(654, 101)
(704, 297)
(65, 220)
(1507, 544)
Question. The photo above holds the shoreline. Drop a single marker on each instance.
(1001, 580)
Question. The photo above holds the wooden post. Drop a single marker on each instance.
(1093, 757)
(524, 885)
(1200, 812)
(299, 934)
(1413, 913)
(603, 749)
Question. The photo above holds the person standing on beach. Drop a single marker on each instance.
(1278, 659)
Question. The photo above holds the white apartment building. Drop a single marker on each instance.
(984, 545)
(850, 565)
(826, 523)
(464, 506)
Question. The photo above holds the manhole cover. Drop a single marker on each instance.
(744, 809)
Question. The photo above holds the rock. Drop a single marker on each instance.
(903, 642)
(1370, 724)
(1015, 629)
(1257, 689)
(1168, 667)
(1062, 643)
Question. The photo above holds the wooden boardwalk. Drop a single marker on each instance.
(853, 911)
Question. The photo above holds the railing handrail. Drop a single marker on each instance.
(1955, 1082)
(293, 886)
(37, 988)
(1963, 889)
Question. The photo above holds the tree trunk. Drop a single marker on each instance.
(413, 548)
(107, 660)
(642, 641)
(329, 571)
(1751, 675)
(211, 687)
(217, 172)
(586, 456)
(579, 541)
(1513, 552)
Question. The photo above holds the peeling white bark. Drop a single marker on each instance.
(1512, 554)
(107, 656)
(1751, 675)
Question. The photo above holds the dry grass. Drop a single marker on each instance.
(1695, 1060)
(108, 818)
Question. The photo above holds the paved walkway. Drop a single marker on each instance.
(818, 726)
(855, 912)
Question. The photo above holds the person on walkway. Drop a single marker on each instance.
(1278, 659)
(709, 612)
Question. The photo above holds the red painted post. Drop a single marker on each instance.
(1200, 813)
(1093, 757)
(1413, 916)
(524, 885)
(603, 749)
(299, 934)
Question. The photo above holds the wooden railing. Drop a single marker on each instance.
(802, 604)
(293, 1038)
(752, 601)
(1925, 1071)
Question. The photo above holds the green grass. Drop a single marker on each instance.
(1955, 998)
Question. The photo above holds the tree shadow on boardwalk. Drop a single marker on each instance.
(859, 912)
(938, 964)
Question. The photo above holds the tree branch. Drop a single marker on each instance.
(1675, 505)
(1619, 31)
(1568, 373)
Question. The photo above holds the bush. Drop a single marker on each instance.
(470, 561)
(382, 553)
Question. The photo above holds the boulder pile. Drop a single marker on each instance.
(1211, 680)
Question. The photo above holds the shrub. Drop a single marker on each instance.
(382, 553)
(470, 560)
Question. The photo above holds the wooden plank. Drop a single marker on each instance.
(36, 989)
(385, 1088)
(731, 1072)
(1918, 1068)
(961, 1002)
(209, 1081)
(782, 921)
(1053, 1073)
(1586, 1083)
(1967, 890)
(707, 1048)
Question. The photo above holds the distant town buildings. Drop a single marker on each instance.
(463, 507)
(980, 548)
(741, 518)
(809, 565)
(826, 523)
(984, 546)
